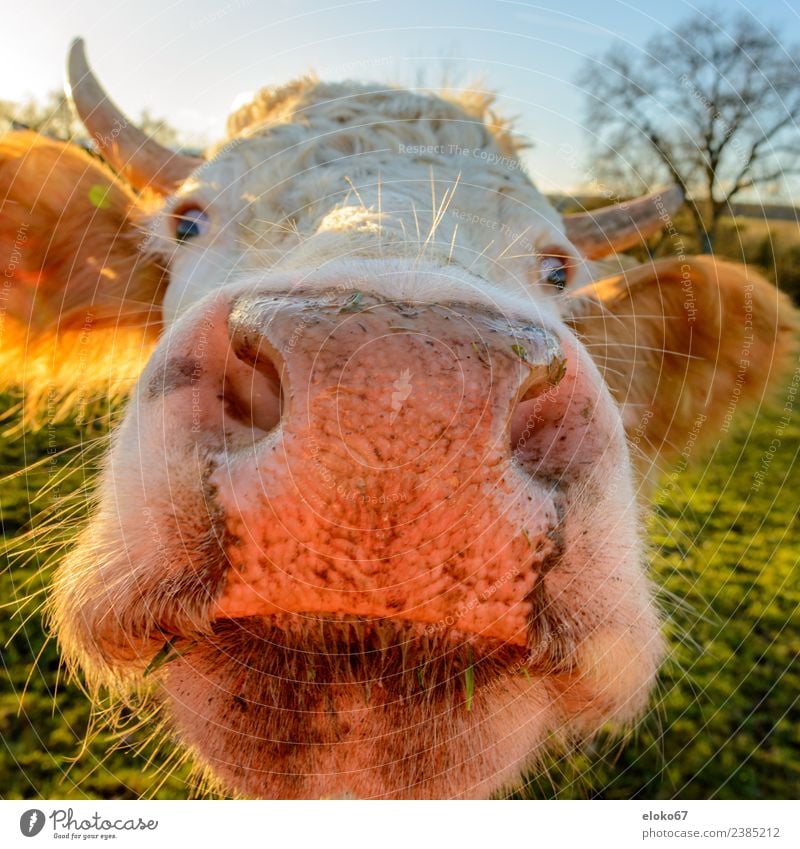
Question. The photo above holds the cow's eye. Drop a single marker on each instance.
(190, 222)
(555, 271)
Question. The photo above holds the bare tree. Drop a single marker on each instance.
(714, 104)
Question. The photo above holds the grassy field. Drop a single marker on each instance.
(725, 721)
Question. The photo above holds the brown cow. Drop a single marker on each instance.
(372, 520)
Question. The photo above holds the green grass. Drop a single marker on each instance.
(725, 720)
(44, 719)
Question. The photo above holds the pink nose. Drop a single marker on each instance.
(364, 462)
(379, 479)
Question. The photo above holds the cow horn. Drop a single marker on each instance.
(140, 159)
(616, 228)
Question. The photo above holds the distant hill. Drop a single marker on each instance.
(768, 212)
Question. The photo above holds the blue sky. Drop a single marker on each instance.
(189, 60)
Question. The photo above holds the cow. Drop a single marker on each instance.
(372, 523)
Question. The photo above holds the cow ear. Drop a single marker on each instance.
(80, 293)
(688, 347)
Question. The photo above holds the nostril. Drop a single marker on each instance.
(546, 366)
(252, 389)
(545, 361)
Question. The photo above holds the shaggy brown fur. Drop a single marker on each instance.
(80, 295)
(684, 345)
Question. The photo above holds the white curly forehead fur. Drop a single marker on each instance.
(313, 173)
